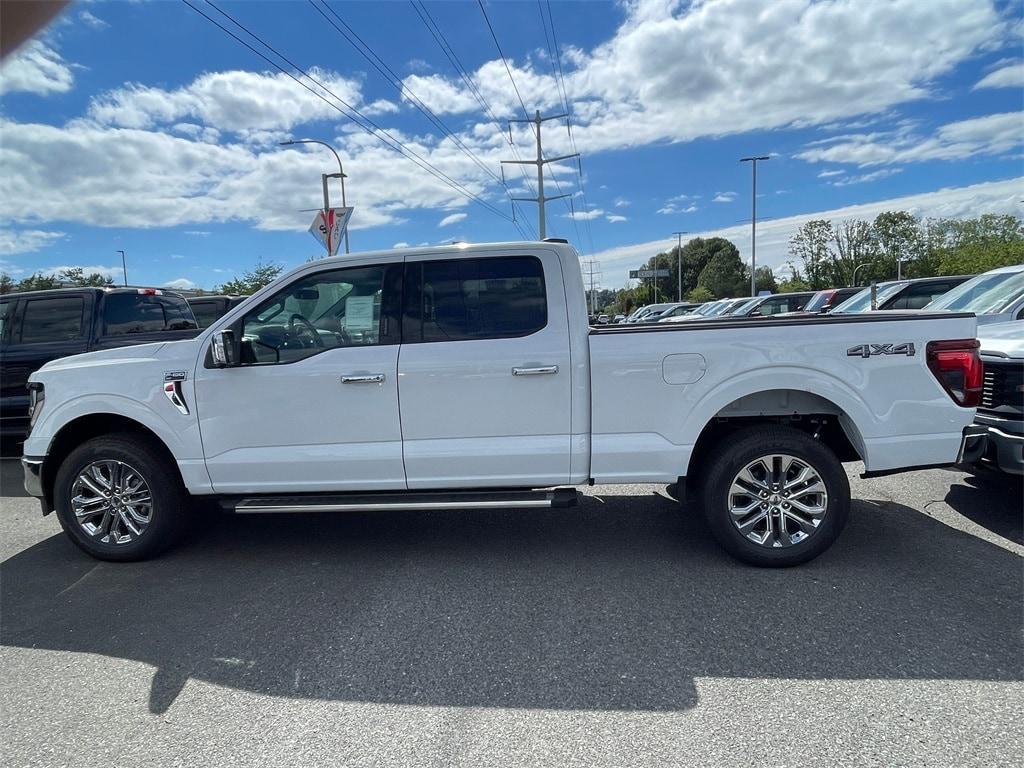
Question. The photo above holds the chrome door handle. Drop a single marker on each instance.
(369, 378)
(535, 371)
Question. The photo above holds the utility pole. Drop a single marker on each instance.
(592, 272)
(124, 267)
(540, 162)
(753, 222)
(679, 264)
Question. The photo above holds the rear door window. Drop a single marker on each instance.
(920, 295)
(56, 318)
(461, 299)
(6, 315)
(129, 313)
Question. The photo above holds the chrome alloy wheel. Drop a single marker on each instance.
(777, 500)
(112, 502)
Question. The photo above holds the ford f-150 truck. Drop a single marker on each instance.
(466, 377)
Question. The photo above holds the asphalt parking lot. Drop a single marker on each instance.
(614, 634)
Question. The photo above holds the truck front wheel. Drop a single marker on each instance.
(119, 499)
(774, 496)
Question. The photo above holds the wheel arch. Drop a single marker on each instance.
(816, 414)
(83, 428)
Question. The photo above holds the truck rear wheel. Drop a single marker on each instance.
(774, 496)
(119, 499)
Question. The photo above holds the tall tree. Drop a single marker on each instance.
(765, 280)
(37, 281)
(252, 280)
(77, 276)
(811, 246)
(725, 275)
(7, 285)
(855, 245)
(900, 238)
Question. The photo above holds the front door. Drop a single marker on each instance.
(314, 404)
(484, 372)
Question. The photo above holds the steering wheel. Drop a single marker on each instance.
(317, 341)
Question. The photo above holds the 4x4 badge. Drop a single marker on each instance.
(869, 350)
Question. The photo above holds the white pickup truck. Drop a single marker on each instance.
(467, 376)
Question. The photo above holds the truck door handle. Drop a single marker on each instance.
(369, 378)
(539, 371)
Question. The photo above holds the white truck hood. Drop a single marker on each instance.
(140, 352)
(1002, 339)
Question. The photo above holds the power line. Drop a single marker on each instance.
(504, 61)
(560, 79)
(364, 49)
(439, 37)
(359, 118)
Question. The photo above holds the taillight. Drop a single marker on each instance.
(958, 368)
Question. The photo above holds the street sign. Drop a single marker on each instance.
(646, 274)
(328, 227)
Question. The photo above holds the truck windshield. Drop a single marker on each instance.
(983, 294)
(861, 302)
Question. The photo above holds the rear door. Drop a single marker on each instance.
(484, 372)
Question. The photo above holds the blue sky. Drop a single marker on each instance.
(143, 126)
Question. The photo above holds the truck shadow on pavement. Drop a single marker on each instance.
(619, 604)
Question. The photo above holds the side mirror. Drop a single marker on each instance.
(223, 349)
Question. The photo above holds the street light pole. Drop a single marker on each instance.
(854, 283)
(753, 222)
(325, 176)
(679, 265)
(124, 267)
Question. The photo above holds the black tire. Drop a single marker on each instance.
(169, 511)
(746, 445)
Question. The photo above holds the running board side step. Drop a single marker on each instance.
(410, 500)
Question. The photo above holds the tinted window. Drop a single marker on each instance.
(920, 295)
(339, 308)
(6, 308)
(125, 313)
(56, 319)
(476, 299)
(206, 311)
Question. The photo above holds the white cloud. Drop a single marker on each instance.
(724, 197)
(177, 256)
(864, 178)
(15, 241)
(593, 213)
(773, 235)
(629, 92)
(36, 68)
(671, 208)
(832, 172)
(441, 95)
(180, 283)
(114, 273)
(401, 244)
(454, 218)
(197, 232)
(621, 202)
(93, 21)
(615, 219)
(1010, 76)
(988, 135)
(236, 101)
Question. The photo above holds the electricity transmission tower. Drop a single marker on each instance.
(540, 162)
(592, 278)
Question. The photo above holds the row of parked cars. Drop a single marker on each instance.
(995, 297)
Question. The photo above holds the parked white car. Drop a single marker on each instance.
(467, 376)
(995, 296)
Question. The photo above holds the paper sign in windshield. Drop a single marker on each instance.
(359, 313)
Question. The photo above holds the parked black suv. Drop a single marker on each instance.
(207, 309)
(39, 326)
